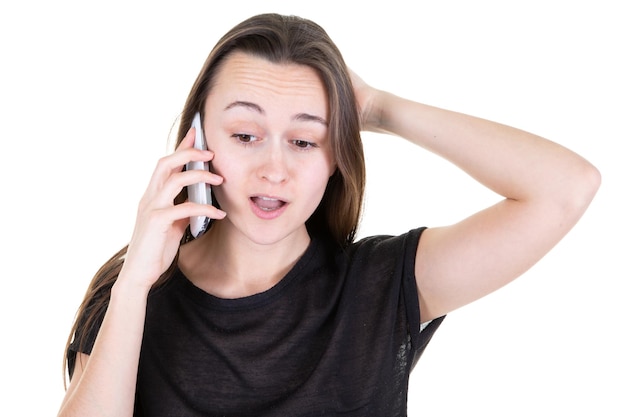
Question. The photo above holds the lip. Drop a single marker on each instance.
(267, 214)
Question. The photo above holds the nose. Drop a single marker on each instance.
(274, 166)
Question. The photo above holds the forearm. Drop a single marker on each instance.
(106, 385)
(513, 163)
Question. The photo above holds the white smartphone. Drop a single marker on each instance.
(199, 193)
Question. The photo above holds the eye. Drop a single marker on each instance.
(244, 137)
(303, 144)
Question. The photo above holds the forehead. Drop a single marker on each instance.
(284, 86)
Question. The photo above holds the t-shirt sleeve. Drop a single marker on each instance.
(387, 264)
(85, 336)
(421, 334)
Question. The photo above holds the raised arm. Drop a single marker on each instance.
(103, 383)
(546, 189)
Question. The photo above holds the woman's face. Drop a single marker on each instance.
(268, 126)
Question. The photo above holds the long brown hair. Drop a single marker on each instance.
(279, 39)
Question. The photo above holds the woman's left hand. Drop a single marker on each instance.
(366, 97)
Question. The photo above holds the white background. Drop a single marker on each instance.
(88, 93)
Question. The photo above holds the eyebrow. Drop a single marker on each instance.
(305, 117)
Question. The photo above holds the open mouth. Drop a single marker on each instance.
(267, 203)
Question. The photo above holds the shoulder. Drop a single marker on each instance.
(380, 247)
(379, 258)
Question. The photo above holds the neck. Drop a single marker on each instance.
(229, 265)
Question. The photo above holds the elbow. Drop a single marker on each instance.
(590, 183)
(584, 184)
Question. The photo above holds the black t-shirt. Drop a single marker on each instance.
(337, 336)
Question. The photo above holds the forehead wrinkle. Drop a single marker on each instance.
(246, 78)
(276, 78)
(267, 78)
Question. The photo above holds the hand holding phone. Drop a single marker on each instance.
(201, 192)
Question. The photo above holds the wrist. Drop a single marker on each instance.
(374, 119)
(127, 288)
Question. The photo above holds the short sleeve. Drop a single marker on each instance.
(85, 335)
(387, 264)
(420, 334)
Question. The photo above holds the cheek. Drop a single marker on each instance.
(317, 178)
(230, 171)
(223, 160)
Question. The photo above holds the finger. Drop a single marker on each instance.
(188, 140)
(175, 183)
(189, 209)
(174, 163)
(184, 153)
(163, 221)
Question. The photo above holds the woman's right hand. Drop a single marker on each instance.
(160, 224)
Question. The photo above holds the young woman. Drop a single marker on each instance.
(275, 310)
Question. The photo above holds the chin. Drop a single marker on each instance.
(270, 234)
(270, 238)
